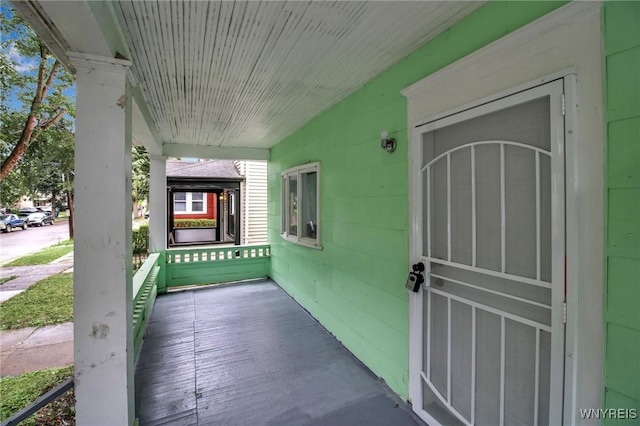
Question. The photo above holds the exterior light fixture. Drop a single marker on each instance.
(387, 143)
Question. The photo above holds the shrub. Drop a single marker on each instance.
(141, 240)
(194, 223)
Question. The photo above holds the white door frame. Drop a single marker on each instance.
(561, 139)
(563, 42)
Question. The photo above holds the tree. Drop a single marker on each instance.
(140, 181)
(49, 157)
(36, 108)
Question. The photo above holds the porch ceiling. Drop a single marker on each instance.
(248, 74)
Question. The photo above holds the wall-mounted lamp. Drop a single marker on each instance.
(387, 143)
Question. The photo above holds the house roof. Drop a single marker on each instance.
(203, 169)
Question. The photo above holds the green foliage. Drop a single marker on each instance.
(49, 152)
(43, 256)
(194, 223)
(34, 307)
(18, 392)
(140, 173)
(12, 188)
(141, 240)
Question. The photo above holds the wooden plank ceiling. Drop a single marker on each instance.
(248, 74)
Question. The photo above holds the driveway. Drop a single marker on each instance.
(19, 243)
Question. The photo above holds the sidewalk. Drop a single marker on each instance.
(34, 348)
(29, 275)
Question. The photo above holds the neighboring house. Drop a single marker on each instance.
(253, 191)
(493, 144)
(200, 190)
(195, 205)
(215, 190)
(28, 202)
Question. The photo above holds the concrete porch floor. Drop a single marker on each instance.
(247, 354)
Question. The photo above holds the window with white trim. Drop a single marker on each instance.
(189, 202)
(301, 205)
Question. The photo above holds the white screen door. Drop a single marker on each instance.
(489, 217)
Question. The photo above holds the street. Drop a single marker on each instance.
(19, 243)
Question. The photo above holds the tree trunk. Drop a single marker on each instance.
(13, 158)
(54, 198)
(70, 204)
(30, 125)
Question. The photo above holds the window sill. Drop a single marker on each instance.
(302, 242)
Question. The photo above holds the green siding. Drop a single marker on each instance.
(624, 155)
(624, 296)
(615, 399)
(622, 59)
(620, 363)
(355, 285)
(622, 75)
(624, 221)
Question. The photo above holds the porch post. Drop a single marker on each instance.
(158, 204)
(103, 338)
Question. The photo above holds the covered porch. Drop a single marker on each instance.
(247, 353)
(345, 101)
(242, 351)
(209, 80)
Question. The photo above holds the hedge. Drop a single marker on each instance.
(194, 223)
(141, 240)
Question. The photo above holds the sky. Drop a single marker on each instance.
(23, 64)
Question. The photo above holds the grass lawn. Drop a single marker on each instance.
(18, 392)
(44, 256)
(49, 301)
(5, 279)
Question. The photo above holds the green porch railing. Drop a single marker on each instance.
(145, 289)
(215, 265)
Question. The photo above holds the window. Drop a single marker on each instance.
(189, 202)
(300, 205)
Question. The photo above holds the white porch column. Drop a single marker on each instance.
(103, 338)
(158, 204)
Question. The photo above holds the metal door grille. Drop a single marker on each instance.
(467, 285)
(492, 210)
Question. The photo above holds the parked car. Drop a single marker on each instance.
(24, 214)
(39, 219)
(10, 221)
(27, 211)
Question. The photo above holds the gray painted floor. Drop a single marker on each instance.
(249, 355)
